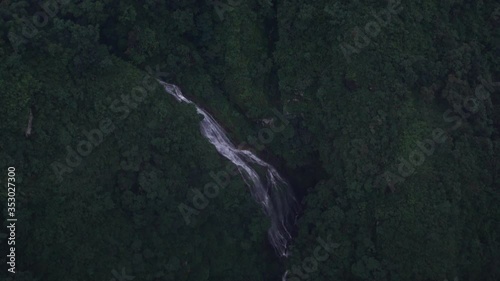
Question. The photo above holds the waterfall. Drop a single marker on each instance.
(272, 192)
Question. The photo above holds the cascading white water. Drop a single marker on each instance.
(272, 192)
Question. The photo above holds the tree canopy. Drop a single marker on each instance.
(390, 140)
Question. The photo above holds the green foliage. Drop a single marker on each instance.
(352, 113)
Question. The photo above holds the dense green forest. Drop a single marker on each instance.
(391, 138)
